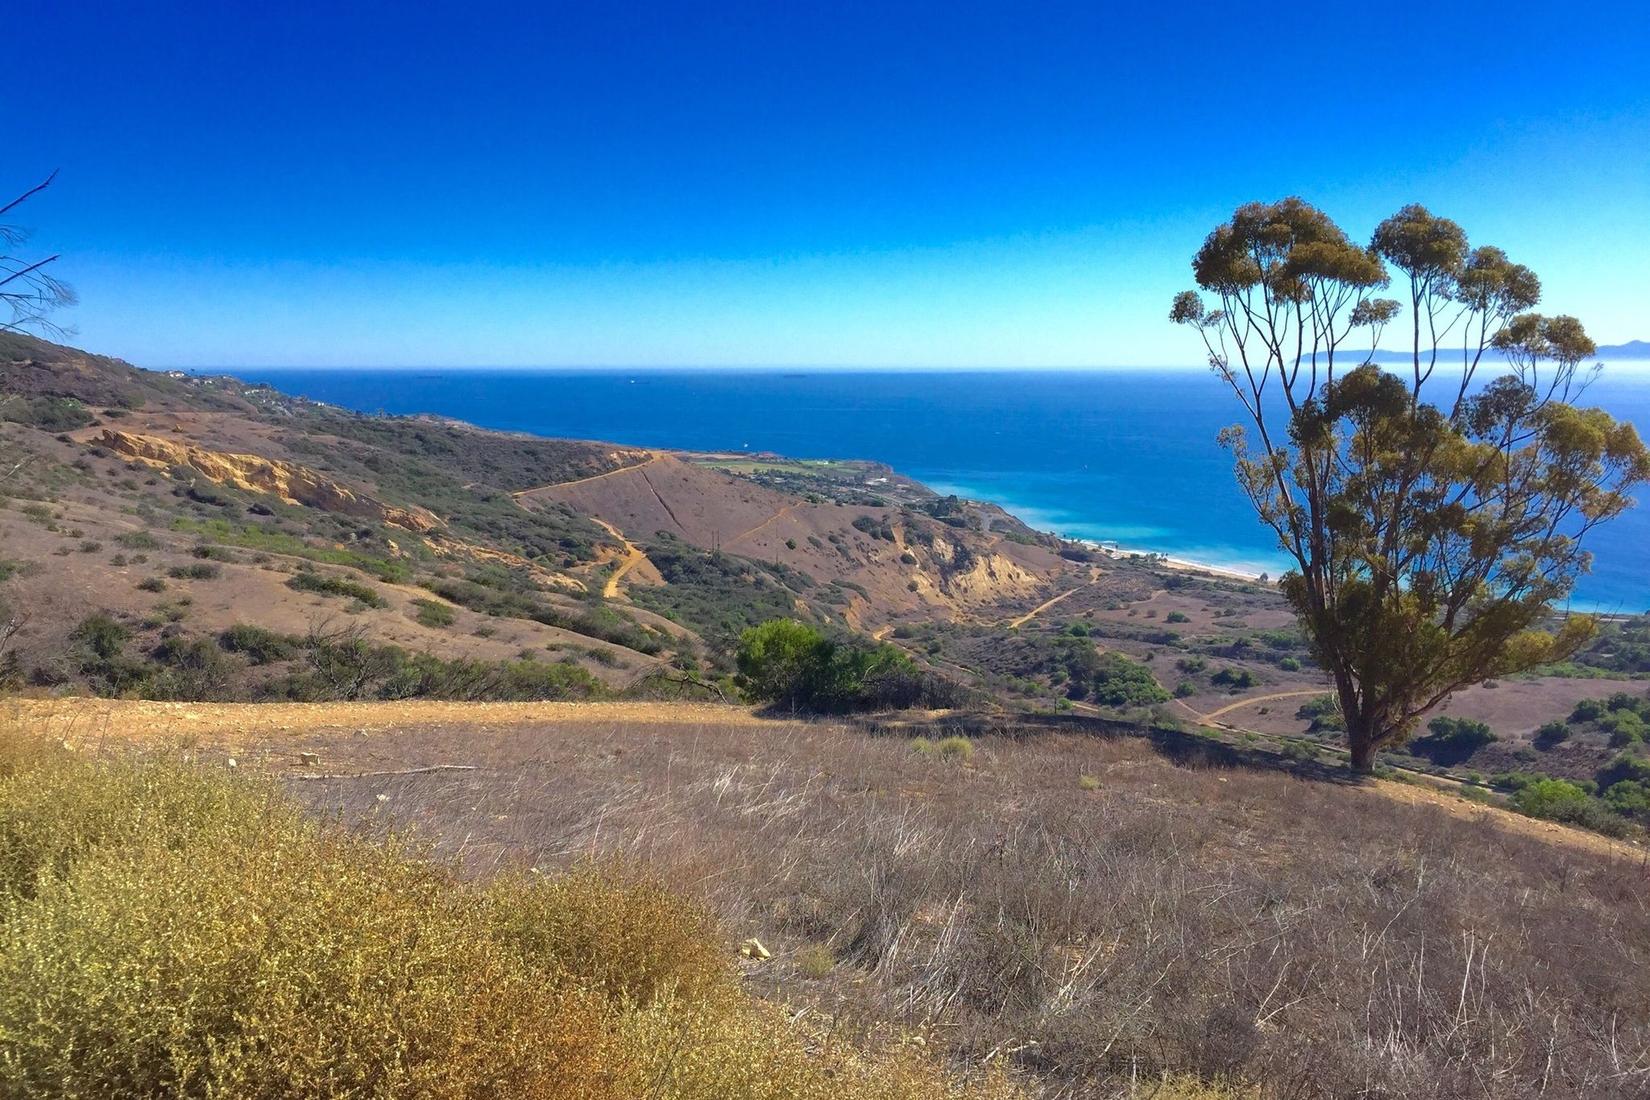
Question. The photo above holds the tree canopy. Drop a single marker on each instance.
(1434, 516)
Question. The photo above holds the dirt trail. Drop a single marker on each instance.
(747, 534)
(651, 459)
(1046, 604)
(1254, 700)
(633, 557)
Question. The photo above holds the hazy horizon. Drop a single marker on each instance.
(1611, 366)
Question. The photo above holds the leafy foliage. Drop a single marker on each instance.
(1452, 740)
(49, 414)
(326, 585)
(718, 595)
(800, 668)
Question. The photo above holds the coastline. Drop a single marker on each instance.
(1040, 520)
(1185, 565)
(1126, 457)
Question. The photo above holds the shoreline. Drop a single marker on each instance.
(1111, 548)
(1185, 565)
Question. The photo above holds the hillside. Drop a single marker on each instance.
(203, 539)
(1091, 912)
(1129, 862)
(185, 507)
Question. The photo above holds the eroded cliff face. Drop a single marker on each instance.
(968, 577)
(292, 483)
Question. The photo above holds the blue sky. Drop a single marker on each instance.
(785, 183)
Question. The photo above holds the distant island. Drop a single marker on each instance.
(1632, 349)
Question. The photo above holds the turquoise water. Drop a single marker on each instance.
(1121, 454)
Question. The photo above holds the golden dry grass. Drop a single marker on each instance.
(1310, 938)
(168, 929)
(1169, 925)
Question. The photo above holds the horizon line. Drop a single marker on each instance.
(822, 367)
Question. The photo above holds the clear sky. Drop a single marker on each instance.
(785, 182)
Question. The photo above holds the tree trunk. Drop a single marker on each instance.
(1361, 739)
(1362, 745)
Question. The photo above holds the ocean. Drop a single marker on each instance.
(1123, 455)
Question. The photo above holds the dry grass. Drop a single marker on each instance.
(1305, 938)
(167, 929)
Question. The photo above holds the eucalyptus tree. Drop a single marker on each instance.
(1434, 512)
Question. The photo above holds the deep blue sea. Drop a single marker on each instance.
(1127, 455)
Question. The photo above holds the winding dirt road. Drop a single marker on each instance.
(1255, 700)
(633, 557)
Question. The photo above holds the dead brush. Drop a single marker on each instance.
(1300, 938)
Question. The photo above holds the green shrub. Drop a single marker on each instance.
(192, 669)
(1303, 751)
(260, 646)
(1588, 710)
(1234, 679)
(101, 634)
(326, 585)
(798, 667)
(1625, 727)
(49, 414)
(954, 749)
(1561, 800)
(432, 614)
(1452, 740)
(1551, 735)
(1626, 767)
(1625, 701)
(507, 593)
(1631, 797)
(194, 571)
(348, 666)
(253, 537)
(1322, 713)
(1120, 681)
(1549, 798)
